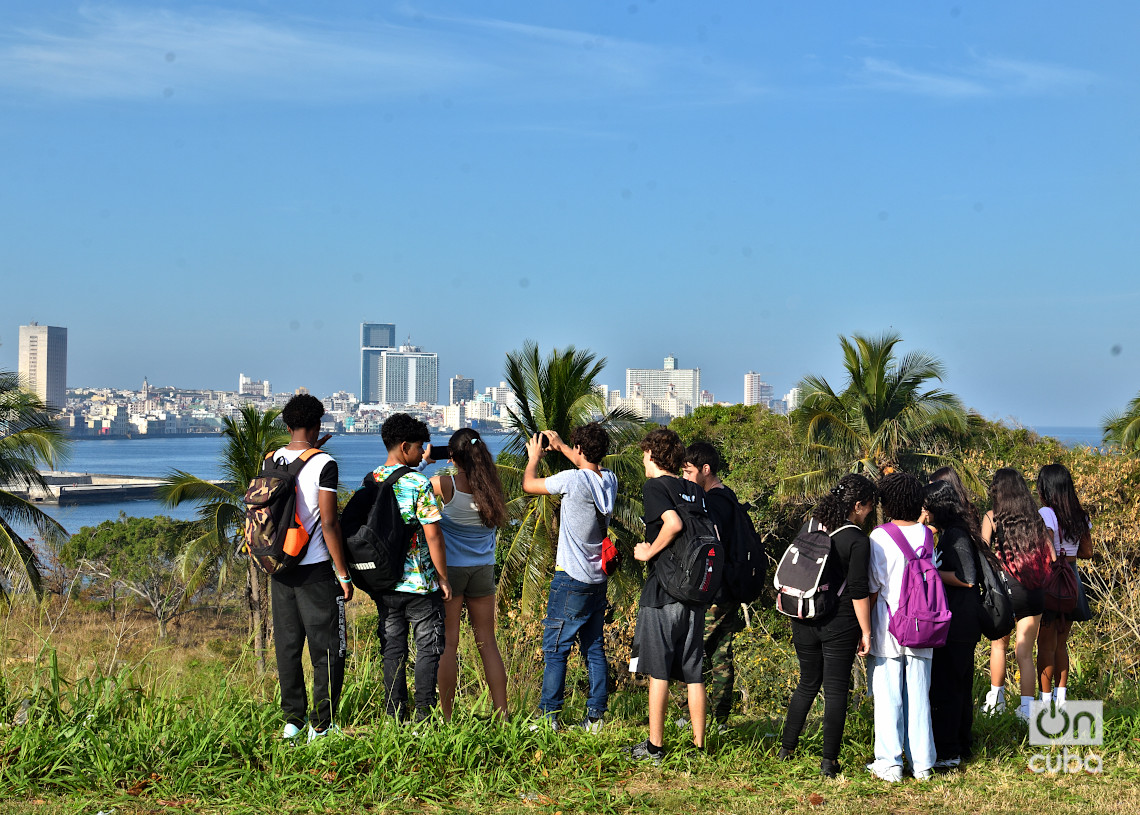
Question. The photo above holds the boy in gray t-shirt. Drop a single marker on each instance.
(577, 604)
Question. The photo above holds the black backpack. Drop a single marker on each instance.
(809, 579)
(995, 613)
(691, 568)
(376, 536)
(747, 558)
(273, 536)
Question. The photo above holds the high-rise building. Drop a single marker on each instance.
(792, 399)
(678, 389)
(407, 376)
(460, 389)
(43, 363)
(756, 391)
(374, 339)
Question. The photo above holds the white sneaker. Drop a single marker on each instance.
(995, 702)
(291, 732)
(1022, 713)
(924, 775)
(892, 774)
(320, 734)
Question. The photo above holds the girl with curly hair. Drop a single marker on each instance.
(1019, 539)
(826, 648)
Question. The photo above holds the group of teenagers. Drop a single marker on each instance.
(923, 697)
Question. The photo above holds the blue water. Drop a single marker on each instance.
(356, 455)
(1073, 436)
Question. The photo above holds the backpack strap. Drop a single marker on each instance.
(904, 546)
(395, 476)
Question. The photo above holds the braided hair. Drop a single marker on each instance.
(835, 508)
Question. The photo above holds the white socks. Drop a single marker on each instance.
(1059, 696)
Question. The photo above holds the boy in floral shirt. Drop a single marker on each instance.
(418, 597)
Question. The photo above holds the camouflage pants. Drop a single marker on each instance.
(721, 626)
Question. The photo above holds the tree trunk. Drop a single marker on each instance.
(112, 601)
(257, 617)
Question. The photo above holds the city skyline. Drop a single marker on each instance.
(201, 190)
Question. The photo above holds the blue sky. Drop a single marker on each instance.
(198, 190)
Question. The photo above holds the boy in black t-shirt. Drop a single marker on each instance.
(670, 634)
(724, 619)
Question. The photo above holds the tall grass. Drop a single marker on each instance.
(192, 726)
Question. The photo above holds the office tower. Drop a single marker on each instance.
(792, 398)
(668, 385)
(407, 376)
(374, 339)
(460, 389)
(43, 363)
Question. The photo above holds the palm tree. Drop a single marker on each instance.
(885, 415)
(1124, 428)
(222, 512)
(558, 393)
(29, 437)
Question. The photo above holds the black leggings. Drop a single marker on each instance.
(826, 654)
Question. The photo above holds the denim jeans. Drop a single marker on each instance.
(901, 687)
(575, 611)
(424, 612)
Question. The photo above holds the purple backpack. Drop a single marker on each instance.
(922, 619)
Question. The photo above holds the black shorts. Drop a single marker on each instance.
(671, 642)
(1026, 602)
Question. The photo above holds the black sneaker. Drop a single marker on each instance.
(784, 755)
(829, 768)
(643, 751)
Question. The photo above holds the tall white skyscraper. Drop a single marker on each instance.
(43, 363)
(408, 375)
(793, 398)
(374, 338)
(756, 391)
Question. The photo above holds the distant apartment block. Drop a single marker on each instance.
(408, 376)
(756, 391)
(460, 389)
(43, 363)
(254, 387)
(502, 396)
(793, 399)
(677, 391)
(375, 338)
(455, 417)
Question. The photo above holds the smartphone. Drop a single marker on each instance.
(543, 440)
(439, 452)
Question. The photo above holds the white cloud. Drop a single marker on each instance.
(981, 76)
(212, 55)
